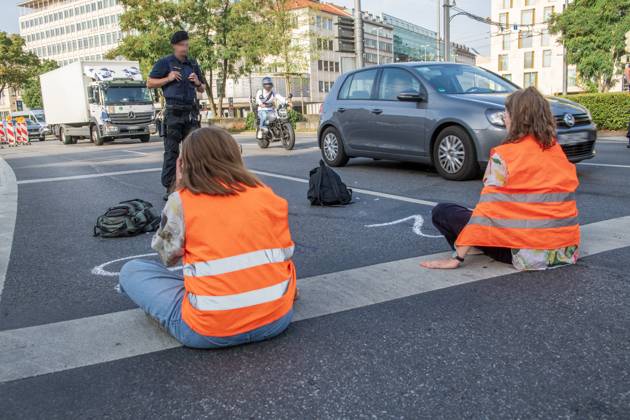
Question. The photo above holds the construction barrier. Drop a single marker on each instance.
(21, 131)
(3, 134)
(11, 134)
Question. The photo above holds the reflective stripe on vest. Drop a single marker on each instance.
(527, 198)
(238, 262)
(239, 300)
(523, 223)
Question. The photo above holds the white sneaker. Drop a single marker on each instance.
(259, 134)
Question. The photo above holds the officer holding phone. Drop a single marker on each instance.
(180, 79)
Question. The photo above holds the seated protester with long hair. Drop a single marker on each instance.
(231, 233)
(527, 214)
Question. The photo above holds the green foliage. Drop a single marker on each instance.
(16, 65)
(609, 110)
(593, 33)
(294, 117)
(250, 121)
(31, 89)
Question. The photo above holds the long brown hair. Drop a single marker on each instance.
(530, 114)
(212, 164)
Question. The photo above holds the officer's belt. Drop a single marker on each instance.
(179, 107)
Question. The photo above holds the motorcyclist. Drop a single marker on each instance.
(266, 99)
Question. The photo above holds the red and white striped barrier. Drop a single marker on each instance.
(3, 134)
(11, 134)
(22, 133)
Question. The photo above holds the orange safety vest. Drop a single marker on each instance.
(238, 272)
(536, 208)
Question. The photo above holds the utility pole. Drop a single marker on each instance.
(447, 30)
(438, 31)
(565, 67)
(358, 33)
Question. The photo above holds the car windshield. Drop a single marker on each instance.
(463, 79)
(39, 116)
(127, 94)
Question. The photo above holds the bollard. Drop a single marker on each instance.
(23, 129)
(3, 136)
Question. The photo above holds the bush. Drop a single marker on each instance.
(610, 111)
(294, 117)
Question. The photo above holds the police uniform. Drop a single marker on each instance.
(182, 113)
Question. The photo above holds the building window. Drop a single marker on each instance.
(506, 41)
(321, 86)
(325, 65)
(528, 60)
(336, 66)
(527, 17)
(320, 65)
(546, 58)
(530, 79)
(528, 2)
(503, 62)
(547, 13)
(507, 76)
(545, 39)
(572, 76)
(507, 4)
(504, 20)
(525, 39)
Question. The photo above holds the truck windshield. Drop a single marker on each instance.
(450, 78)
(126, 94)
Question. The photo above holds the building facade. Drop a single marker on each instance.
(70, 30)
(412, 42)
(378, 40)
(523, 50)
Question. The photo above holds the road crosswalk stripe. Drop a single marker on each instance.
(56, 347)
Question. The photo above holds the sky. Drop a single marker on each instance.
(421, 12)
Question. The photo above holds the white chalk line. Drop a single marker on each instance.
(86, 176)
(418, 222)
(605, 165)
(99, 270)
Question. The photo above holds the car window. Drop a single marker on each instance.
(394, 81)
(360, 87)
(343, 92)
(463, 79)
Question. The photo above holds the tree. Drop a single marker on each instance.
(31, 89)
(593, 34)
(148, 26)
(16, 64)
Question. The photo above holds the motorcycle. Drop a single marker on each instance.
(279, 128)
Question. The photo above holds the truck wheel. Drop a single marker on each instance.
(454, 154)
(95, 136)
(145, 138)
(64, 138)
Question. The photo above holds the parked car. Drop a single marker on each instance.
(445, 114)
(35, 123)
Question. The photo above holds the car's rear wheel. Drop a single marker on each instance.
(454, 154)
(332, 148)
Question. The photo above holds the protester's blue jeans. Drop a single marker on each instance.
(159, 292)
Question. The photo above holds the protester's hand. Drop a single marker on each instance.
(174, 75)
(178, 171)
(194, 79)
(448, 264)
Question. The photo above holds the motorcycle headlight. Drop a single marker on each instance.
(496, 117)
(282, 112)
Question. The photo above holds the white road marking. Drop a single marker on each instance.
(133, 151)
(418, 222)
(606, 165)
(86, 176)
(59, 346)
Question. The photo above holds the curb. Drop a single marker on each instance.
(8, 213)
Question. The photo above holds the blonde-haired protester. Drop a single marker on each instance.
(232, 234)
(527, 214)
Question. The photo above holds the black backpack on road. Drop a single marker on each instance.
(128, 218)
(325, 187)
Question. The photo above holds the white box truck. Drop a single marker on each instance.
(98, 100)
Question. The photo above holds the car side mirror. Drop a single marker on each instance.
(412, 96)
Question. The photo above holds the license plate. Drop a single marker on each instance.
(576, 137)
(133, 128)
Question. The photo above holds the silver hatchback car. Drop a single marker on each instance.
(445, 114)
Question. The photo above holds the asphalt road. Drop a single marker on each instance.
(528, 345)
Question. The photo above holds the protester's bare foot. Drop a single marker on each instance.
(450, 264)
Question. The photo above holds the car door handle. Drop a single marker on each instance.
(377, 111)
(341, 109)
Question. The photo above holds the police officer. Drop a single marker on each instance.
(180, 79)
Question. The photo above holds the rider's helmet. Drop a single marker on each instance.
(267, 82)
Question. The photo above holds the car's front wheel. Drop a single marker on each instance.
(454, 154)
(332, 148)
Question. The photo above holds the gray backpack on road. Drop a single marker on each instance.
(128, 218)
